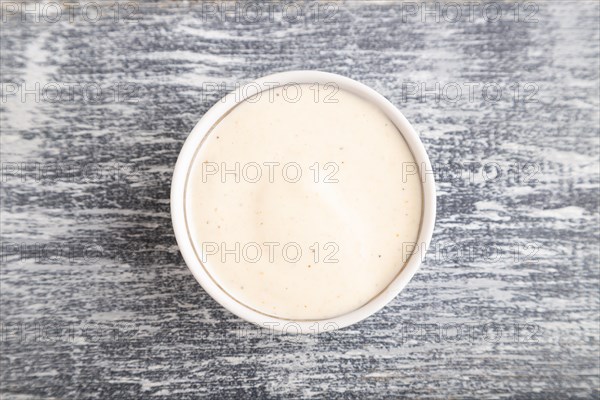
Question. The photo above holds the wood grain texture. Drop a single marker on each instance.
(96, 301)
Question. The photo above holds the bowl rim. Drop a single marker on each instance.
(220, 110)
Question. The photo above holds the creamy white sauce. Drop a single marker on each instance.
(354, 226)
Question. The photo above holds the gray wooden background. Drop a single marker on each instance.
(96, 301)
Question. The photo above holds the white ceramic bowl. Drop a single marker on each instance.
(213, 116)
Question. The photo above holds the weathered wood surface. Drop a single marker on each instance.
(96, 301)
